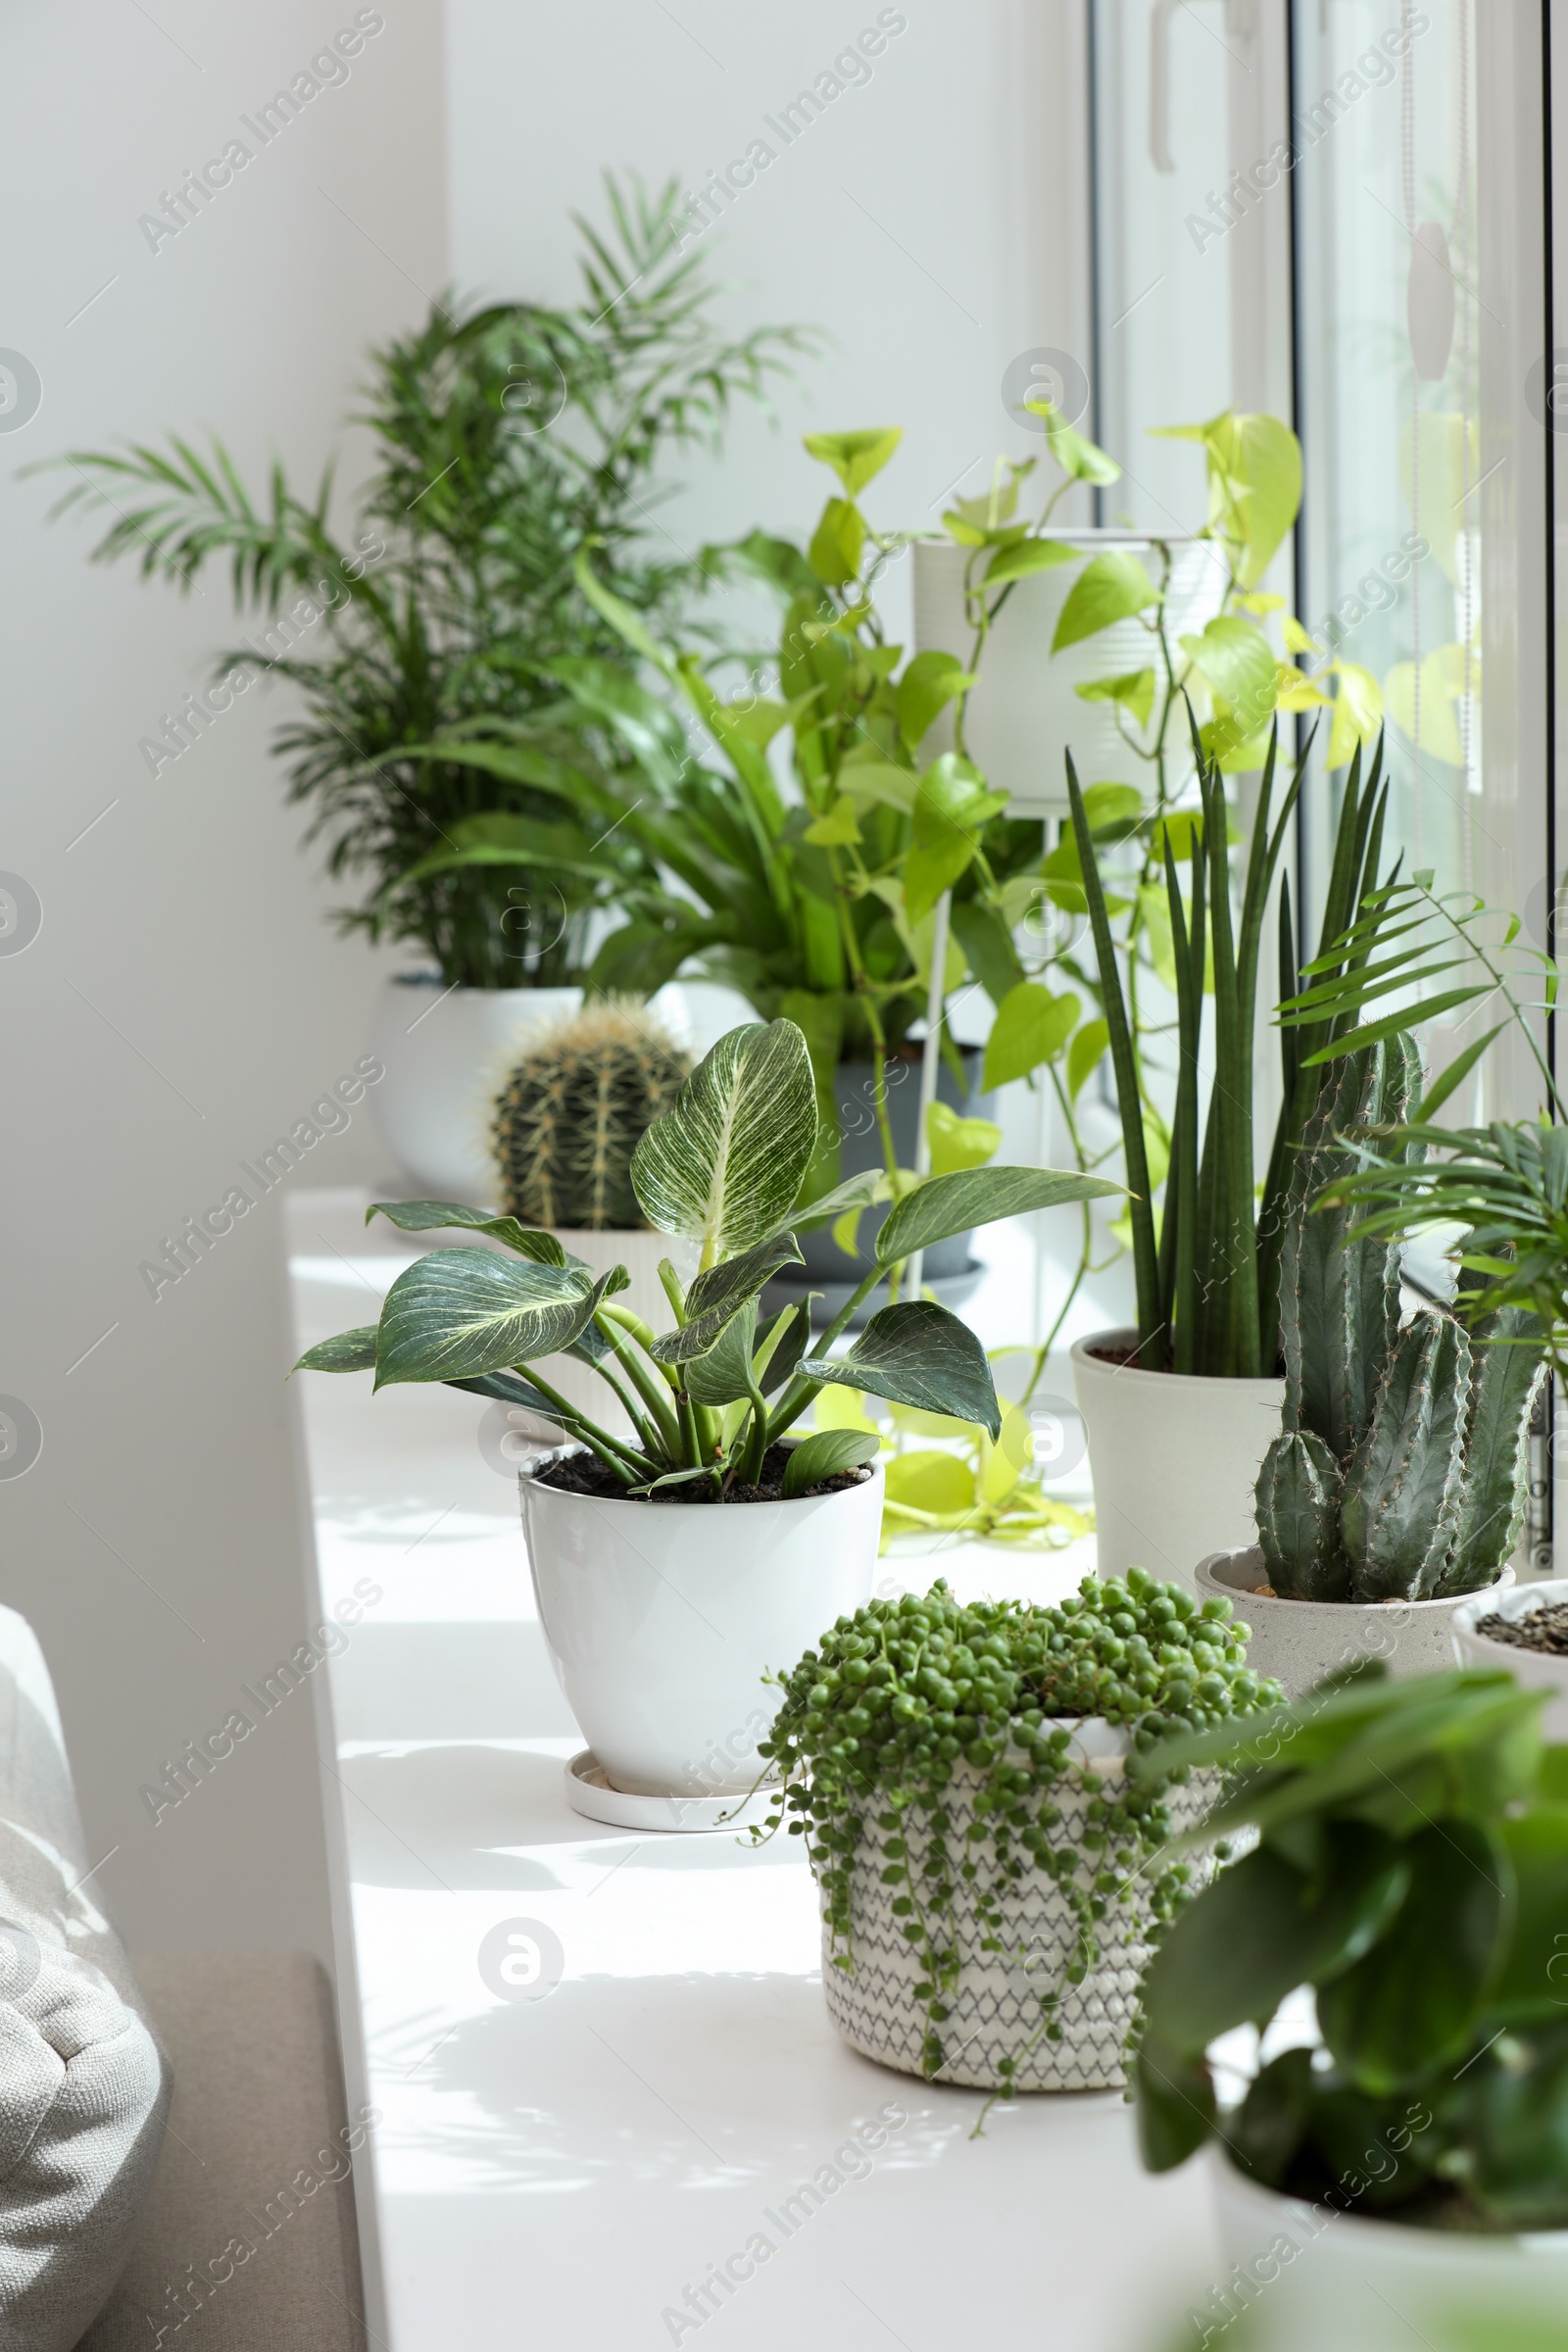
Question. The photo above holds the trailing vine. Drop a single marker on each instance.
(875, 1725)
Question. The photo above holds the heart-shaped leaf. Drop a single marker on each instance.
(716, 1297)
(1032, 1025)
(824, 1454)
(350, 1351)
(462, 1312)
(1110, 588)
(430, 1216)
(856, 458)
(918, 1353)
(958, 1142)
(724, 1166)
(948, 1204)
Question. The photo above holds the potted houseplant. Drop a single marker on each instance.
(991, 1879)
(1401, 1474)
(1523, 1633)
(564, 1127)
(818, 905)
(662, 1609)
(1197, 1379)
(439, 609)
(1403, 2141)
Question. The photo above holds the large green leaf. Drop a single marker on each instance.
(1262, 1928)
(1032, 1025)
(1533, 1982)
(724, 1166)
(1114, 587)
(929, 683)
(429, 1216)
(918, 1353)
(350, 1351)
(462, 1312)
(1255, 482)
(1411, 2001)
(952, 808)
(1026, 556)
(948, 1204)
(717, 1297)
(1240, 664)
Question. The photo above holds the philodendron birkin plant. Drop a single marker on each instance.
(723, 1168)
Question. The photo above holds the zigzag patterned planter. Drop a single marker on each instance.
(995, 2009)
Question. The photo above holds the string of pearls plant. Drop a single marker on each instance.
(877, 1726)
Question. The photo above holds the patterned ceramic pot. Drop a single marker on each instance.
(995, 2009)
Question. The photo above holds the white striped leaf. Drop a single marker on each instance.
(459, 1314)
(918, 1353)
(969, 1196)
(724, 1166)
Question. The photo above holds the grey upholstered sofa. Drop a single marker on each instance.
(175, 2161)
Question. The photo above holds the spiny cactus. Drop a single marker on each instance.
(1402, 1468)
(573, 1112)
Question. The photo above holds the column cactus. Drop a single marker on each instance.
(1401, 1471)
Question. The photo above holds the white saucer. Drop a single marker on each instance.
(589, 1792)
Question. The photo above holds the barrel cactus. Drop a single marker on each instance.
(573, 1111)
(1401, 1471)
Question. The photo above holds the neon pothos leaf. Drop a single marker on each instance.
(948, 1204)
(430, 1216)
(918, 1353)
(722, 1166)
(824, 1454)
(350, 1351)
(459, 1314)
(717, 1297)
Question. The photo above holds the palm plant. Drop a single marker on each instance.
(507, 440)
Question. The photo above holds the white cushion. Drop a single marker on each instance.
(83, 2085)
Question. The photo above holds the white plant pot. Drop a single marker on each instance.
(994, 2008)
(1175, 1458)
(447, 1052)
(662, 1618)
(639, 1251)
(1024, 712)
(1319, 2277)
(1300, 1642)
(1535, 1669)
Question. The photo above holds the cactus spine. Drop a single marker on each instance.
(1402, 1468)
(573, 1111)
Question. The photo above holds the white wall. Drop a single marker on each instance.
(930, 219)
(184, 1001)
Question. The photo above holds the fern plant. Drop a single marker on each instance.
(507, 440)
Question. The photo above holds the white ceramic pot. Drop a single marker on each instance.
(639, 1251)
(995, 2007)
(1024, 712)
(1300, 1642)
(447, 1052)
(1314, 2276)
(1175, 1458)
(1536, 1669)
(663, 1619)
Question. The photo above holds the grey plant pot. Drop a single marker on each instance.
(949, 1267)
(1298, 1641)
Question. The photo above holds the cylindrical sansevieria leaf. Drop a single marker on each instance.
(1339, 1297)
(1508, 1370)
(1402, 1485)
(1298, 1519)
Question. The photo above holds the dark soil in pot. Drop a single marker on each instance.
(585, 1474)
(1544, 1629)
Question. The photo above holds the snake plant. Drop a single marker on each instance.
(1208, 1268)
(723, 1167)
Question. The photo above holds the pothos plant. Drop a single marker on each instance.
(906, 1699)
(723, 1168)
(817, 900)
(948, 1478)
